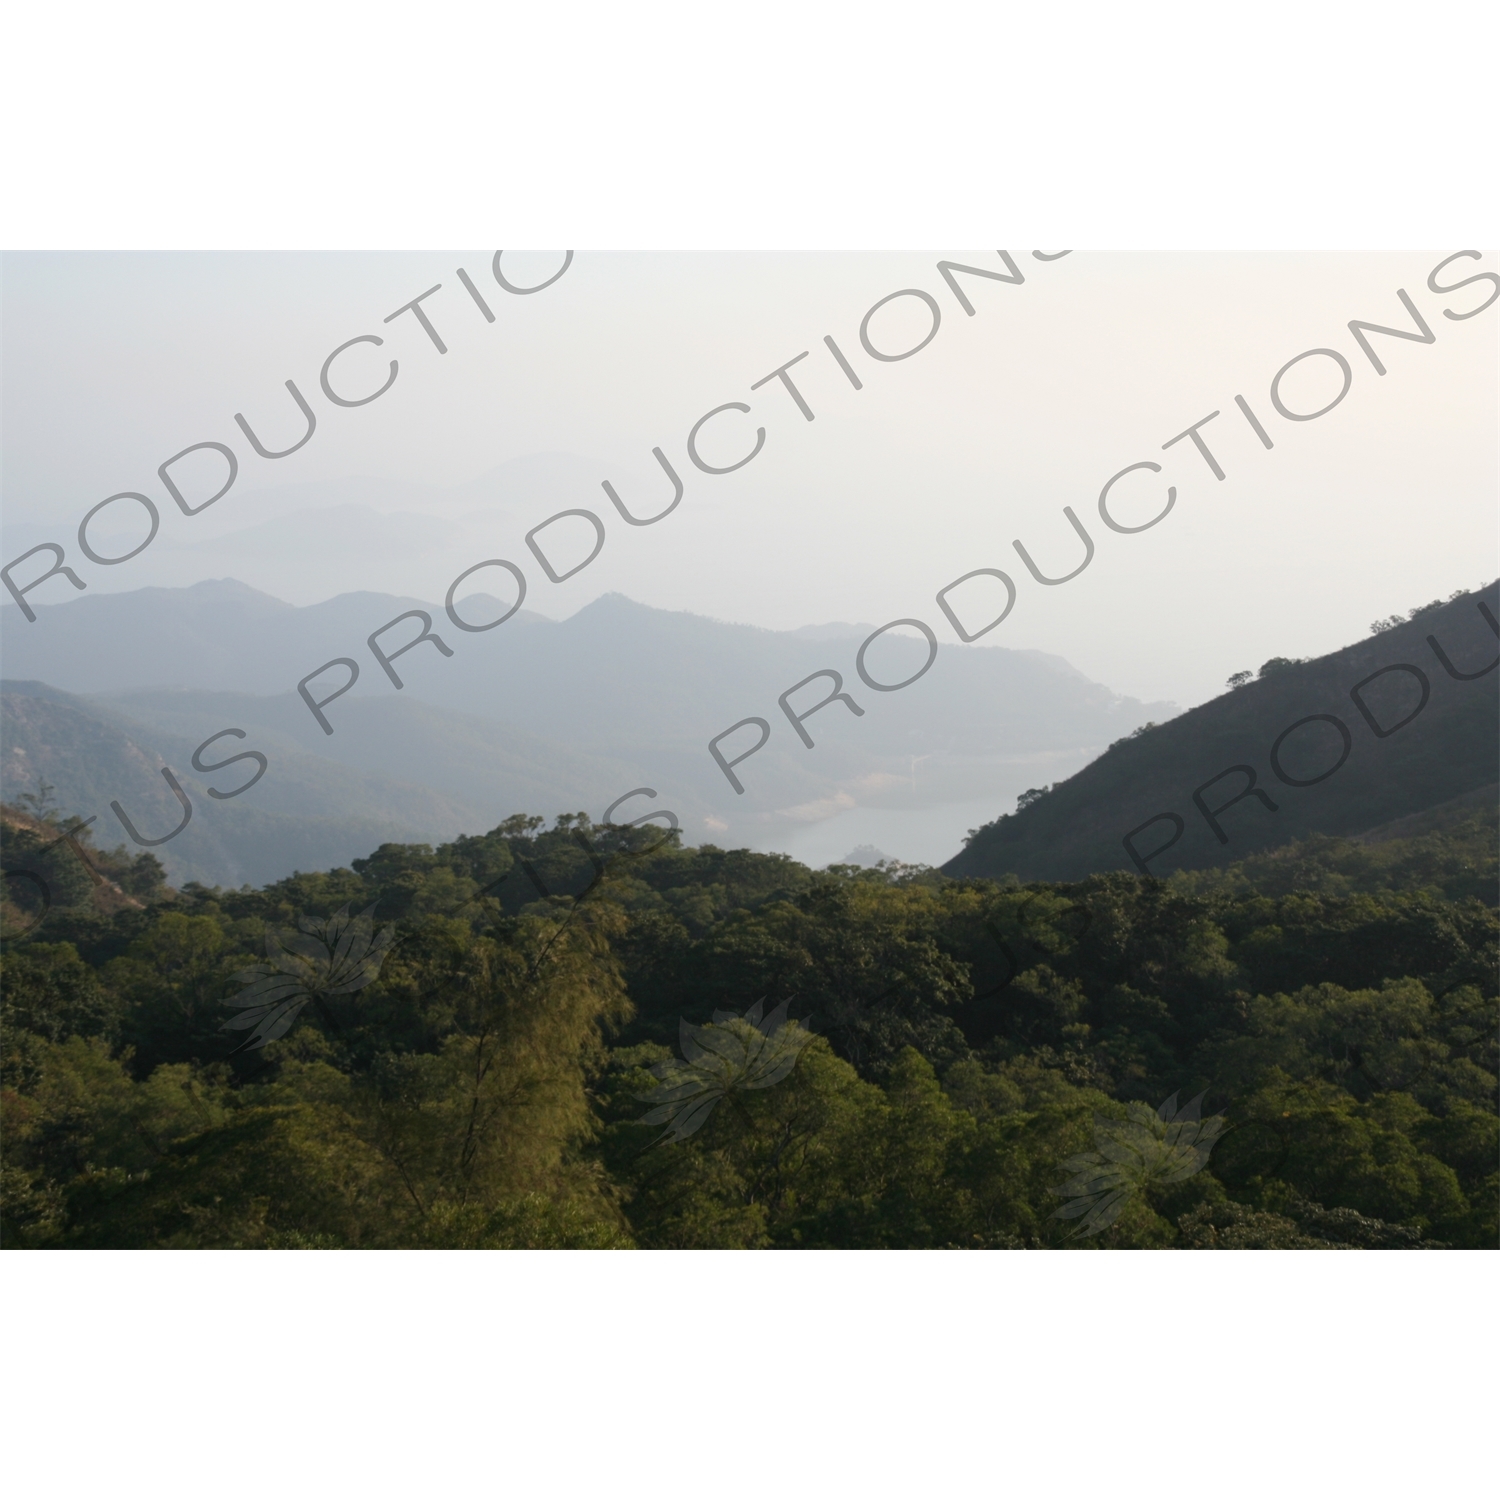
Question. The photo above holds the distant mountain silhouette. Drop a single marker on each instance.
(1425, 747)
(618, 696)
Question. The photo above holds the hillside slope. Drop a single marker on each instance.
(312, 813)
(1422, 738)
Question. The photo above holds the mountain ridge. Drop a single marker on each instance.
(618, 681)
(1424, 735)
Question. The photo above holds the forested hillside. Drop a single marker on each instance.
(591, 1036)
(1399, 723)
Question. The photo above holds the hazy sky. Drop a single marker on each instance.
(112, 363)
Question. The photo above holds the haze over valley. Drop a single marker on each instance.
(537, 717)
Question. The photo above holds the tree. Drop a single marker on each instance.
(48, 990)
(41, 803)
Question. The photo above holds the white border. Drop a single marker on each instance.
(742, 1374)
(793, 124)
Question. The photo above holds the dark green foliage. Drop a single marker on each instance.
(1336, 1000)
(46, 989)
(41, 868)
(56, 881)
(1305, 1226)
(1280, 664)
